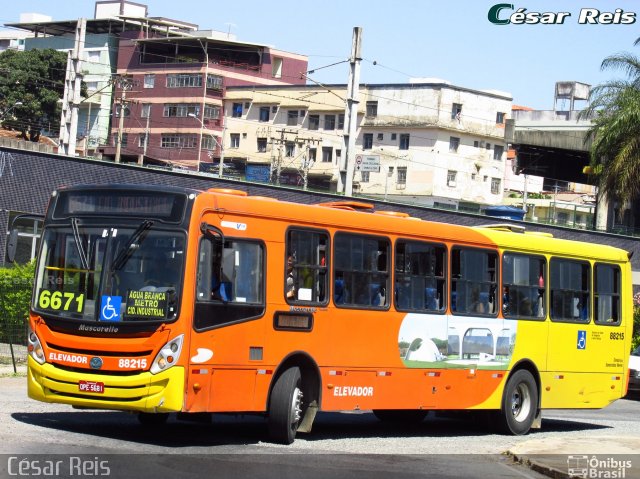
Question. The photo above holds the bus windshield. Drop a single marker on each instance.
(94, 273)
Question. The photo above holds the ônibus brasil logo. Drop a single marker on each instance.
(506, 13)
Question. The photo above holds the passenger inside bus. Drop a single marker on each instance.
(290, 285)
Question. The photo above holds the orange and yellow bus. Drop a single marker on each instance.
(158, 300)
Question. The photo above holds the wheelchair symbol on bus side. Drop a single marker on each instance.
(582, 339)
(111, 308)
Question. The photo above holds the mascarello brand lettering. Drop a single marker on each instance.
(508, 14)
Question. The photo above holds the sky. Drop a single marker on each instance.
(452, 40)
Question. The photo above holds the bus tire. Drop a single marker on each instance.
(519, 403)
(153, 418)
(286, 406)
(405, 416)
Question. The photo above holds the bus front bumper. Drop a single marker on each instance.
(142, 392)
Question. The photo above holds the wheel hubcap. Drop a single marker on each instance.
(520, 403)
(296, 406)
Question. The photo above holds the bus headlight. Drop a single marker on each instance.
(168, 355)
(35, 347)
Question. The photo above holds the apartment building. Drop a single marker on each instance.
(427, 139)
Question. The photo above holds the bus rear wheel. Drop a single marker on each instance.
(519, 403)
(286, 406)
(405, 416)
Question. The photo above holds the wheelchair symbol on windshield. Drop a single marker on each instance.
(111, 308)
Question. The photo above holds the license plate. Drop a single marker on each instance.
(91, 387)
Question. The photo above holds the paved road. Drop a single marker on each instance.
(344, 445)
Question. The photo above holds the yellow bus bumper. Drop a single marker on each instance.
(143, 392)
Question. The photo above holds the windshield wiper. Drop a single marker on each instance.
(134, 241)
(78, 240)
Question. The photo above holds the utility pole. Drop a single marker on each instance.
(71, 98)
(124, 83)
(282, 141)
(351, 115)
(221, 145)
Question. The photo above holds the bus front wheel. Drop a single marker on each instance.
(286, 406)
(519, 403)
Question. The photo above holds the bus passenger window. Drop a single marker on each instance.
(306, 266)
(419, 276)
(361, 271)
(607, 293)
(230, 282)
(523, 286)
(473, 281)
(570, 290)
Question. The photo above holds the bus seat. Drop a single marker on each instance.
(339, 292)
(402, 296)
(484, 301)
(431, 300)
(225, 291)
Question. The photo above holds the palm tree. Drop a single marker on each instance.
(615, 135)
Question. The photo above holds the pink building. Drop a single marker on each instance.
(171, 88)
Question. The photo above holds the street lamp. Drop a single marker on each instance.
(220, 168)
(4, 113)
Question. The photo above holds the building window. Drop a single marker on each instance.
(184, 80)
(404, 141)
(367, 141)
(402, 175)
(126, 111)
(292, 117)
(500, 118)
(380, 137)
(176, 140)
(372, 109)
(327, 154)
(314, 122)
(497, 152)
(142, 140)
(264, 113)
(212, 112)
(209, 142)
(476, 144)
(262, 145)
(495, 186)
(181, 110)
(214, 82)
(341, 121)
(149, 80)
(145, 111)
(365, 177)
(290, 149)
(313, 154)
(338, 156)
(488, 146)
(276, 67)
(235, 140)
(454, 143)
(394, 136)
(456, 111)
(236, 110)
(329, 122)
(451, 178)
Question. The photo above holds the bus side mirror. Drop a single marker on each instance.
(12, 245)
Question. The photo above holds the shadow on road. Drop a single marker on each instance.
(247, 430)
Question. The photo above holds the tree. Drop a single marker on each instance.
(31, 85)
(615, 133)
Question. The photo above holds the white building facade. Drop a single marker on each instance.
(425, 141)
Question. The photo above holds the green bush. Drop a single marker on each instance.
(635, 341)
(16, 284)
